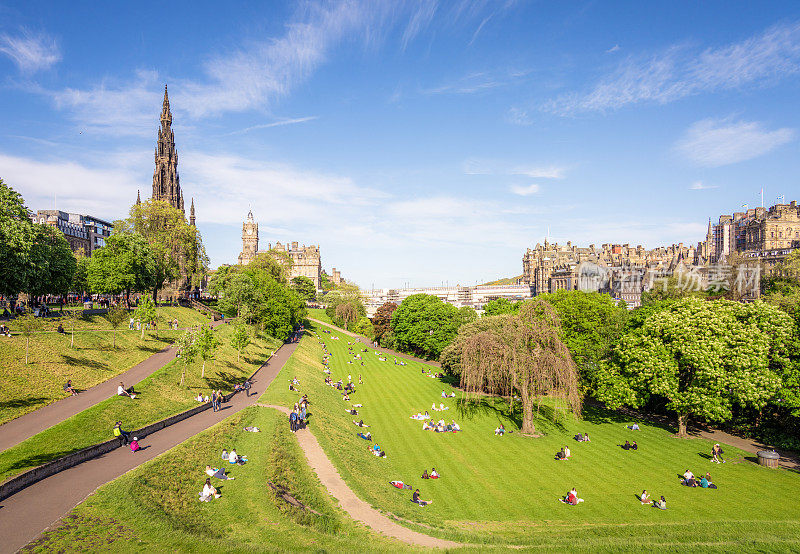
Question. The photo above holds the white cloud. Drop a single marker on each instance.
(713, 143)
(677, 72)
(279, 123)
(31, 52)
(525, 190)
(699, 185)
(477, 166)
(614, 48)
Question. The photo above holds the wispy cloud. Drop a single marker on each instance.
(679, 72)
(419, 20)
(713, 143)
(279, 123)
(614, 48)
(700, 185)
(522, 190)
(476, 166)
(479, 81)
(31, 52)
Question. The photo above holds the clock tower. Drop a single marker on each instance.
(249, 240)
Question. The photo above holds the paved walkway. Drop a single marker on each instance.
(24, 427)
(788, 459)
(25, 515)
(379, 348)
(353, 505)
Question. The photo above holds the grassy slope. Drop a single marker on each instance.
(25, 388)
(504, 281)
(159, 396)
(155, 507)
(319, 313)
(505, 489)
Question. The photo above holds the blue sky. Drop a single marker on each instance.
(415, 142)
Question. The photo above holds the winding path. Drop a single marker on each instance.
(352, 504)
(26, 514)
(24, 427)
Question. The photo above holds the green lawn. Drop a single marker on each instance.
(154, 508)
(319, 313)
(504, 490)
(159, 396)
(92, 360)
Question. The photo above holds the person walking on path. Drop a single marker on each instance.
(214, 400)
(293, 420)
(247, 386)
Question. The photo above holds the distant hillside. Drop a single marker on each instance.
(506, 281)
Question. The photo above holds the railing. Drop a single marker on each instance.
(200, 307)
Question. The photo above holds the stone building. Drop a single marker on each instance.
(306, 260)
(84, 233)
(336, 277)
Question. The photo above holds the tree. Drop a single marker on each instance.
(467, 314)
(345, 313)
(593, 325)
(364, 327)
(382, 320)
(305, 288)
(80, 282)
(73, 315)
(116, 315)
(206, 343)
(500, 306)
(240, 339)
(522, 354)
(125, 264)
(424, 325)
(239, 292)
(187, 350)
(33, 258)
(177, 247)
(702, 357)
(668, 288)
(145, 312)
(27, 324)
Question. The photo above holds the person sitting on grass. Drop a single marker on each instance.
(688, 479)
(5, 331)
(644, 498)
(60, 329)
(500, 430)
(376, 451)
(567, 452)
(454, 427)
(208, 492)
(571, 498)
(661, 504)
(417, 500)
(634, 446)
(234, 458)
(425, 474)
(634, 427)
(706, 483)
(561, 455)
(219, 473)
(582, 437)
(122, 391)
(433, 473)
(135, 445)
(68, 388)
(626, 446)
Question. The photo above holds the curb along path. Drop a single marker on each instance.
(353, 505)
(24, 515)
(24, 427)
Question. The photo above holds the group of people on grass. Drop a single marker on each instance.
(209, 491)
(689, 480)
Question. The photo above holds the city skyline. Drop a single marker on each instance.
(418, 142)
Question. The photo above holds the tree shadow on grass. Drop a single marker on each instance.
(40, 459)
(496, 407)
(224, 380)
(594, 413)
(83, 362)
(23, 402)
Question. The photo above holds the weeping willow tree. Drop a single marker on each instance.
(521, 354)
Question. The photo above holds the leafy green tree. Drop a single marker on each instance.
(80, 281)
(424, 325)
(305, 288)
(382, 321)
(500, 306)
(325, 282)
(207, 344)
(28, 324)
(364, 327)
(592, 324)
(33, 258)
(177, 247)
(703, 358)
(240, 339)
(668, 288)
(521, 354)
(125, 264)
(239, 293)
(146, 311)
(186, 350)
(116, 316)
(467, 314)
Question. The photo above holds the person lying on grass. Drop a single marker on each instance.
(360, 423)
(219, 473)
(351, 411)
(644, 498)
(365, 436)
(582, 437)
(400, 485)
(634, 427)
(208, 492)
(629, 446)
(571, 498)
(417, 500)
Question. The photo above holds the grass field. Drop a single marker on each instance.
(504, 490)
(159, 396)
(319, 313)
(92, 360)
(154, 508)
